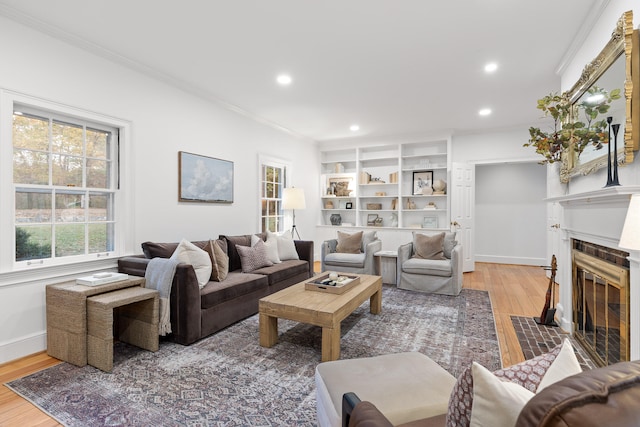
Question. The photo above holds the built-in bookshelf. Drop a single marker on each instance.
(386, 182)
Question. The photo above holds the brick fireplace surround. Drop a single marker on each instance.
(596, 217)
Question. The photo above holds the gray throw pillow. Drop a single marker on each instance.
(254, 257)
(449, 243)
(368, 237)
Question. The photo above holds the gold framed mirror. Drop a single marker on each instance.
(611, 69)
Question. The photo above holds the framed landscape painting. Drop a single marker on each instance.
(204, 179)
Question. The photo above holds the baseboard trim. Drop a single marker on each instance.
(12, 350)
(510, 260)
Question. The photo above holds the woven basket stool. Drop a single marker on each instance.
(137, 323)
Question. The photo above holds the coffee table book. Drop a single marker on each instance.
(315, 284)
(102, 279)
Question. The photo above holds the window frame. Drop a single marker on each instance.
(12, 271)
(270, 161)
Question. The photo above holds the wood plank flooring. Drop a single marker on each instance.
(514, 290)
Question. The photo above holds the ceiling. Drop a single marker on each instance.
(394, 67)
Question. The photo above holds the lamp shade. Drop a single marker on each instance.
(293, 198)
(630, 237)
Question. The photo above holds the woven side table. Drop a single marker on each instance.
(137, 323)
(67, 317)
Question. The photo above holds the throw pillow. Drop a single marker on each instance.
(428, 247)
(527, 374)
(219, 260)
(349, 243)
(286, 245)
(496, 403)
(449, 243)
(271, 245)
(189, 253)
(254, 257)
(565, 365)
(368, 237)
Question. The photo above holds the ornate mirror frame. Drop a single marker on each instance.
(624, 40)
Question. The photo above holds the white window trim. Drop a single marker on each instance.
(12, 272)
(265, 159)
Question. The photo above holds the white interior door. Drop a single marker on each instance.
(462, 210)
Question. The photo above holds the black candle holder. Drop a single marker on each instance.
(612, 161)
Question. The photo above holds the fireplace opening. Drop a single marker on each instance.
(601, 301)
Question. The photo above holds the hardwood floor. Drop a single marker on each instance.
(514, 290)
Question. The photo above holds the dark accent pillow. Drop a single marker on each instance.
(254, 257)
(219, 259)
(428, 247)
(349, 243)
(165, 250)
(232, 242)
(158, 250)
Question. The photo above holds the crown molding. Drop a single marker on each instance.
(74, 40)
(594, 15)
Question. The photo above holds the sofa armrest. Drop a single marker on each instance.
(456, 265)
(361, 414)
(328, 247)
(135, 265)
(369, 262)
(184, 300)
(404, 253)
(305, 252)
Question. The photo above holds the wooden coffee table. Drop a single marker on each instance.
(317, 308)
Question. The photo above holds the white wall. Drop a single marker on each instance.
(510, 222)
(164, 121)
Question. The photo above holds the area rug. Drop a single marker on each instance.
(229, 380)
(535, 339)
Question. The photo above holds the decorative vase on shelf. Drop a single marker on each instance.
(335, 219)
(439, 186)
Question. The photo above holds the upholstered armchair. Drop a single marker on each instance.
(431, 263)
(351, 253)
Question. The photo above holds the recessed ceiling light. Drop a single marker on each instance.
(284, 79)
(354, 128)
(485, 111)
(490, 67)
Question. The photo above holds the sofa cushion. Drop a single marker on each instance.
(219, 259)
(253, 257)
(349, 243)
(188, 253)
(345, 260)
(235, 285)
(605, 396)
(428, 247)
(165, 250)
(496, 403)
(283, 271)
(430, 267)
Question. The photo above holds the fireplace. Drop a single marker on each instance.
(600, 278)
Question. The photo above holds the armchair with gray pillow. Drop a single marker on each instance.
(431, 263)
(351, 252)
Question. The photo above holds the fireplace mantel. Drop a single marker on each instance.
(604, 195)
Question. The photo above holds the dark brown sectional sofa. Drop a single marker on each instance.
(197, 313)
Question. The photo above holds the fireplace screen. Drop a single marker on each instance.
(601, 308)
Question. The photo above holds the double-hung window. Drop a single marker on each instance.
(65, 176)
(273, 179)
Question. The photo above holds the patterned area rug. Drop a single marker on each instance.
(537, 339)
(229, 380)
